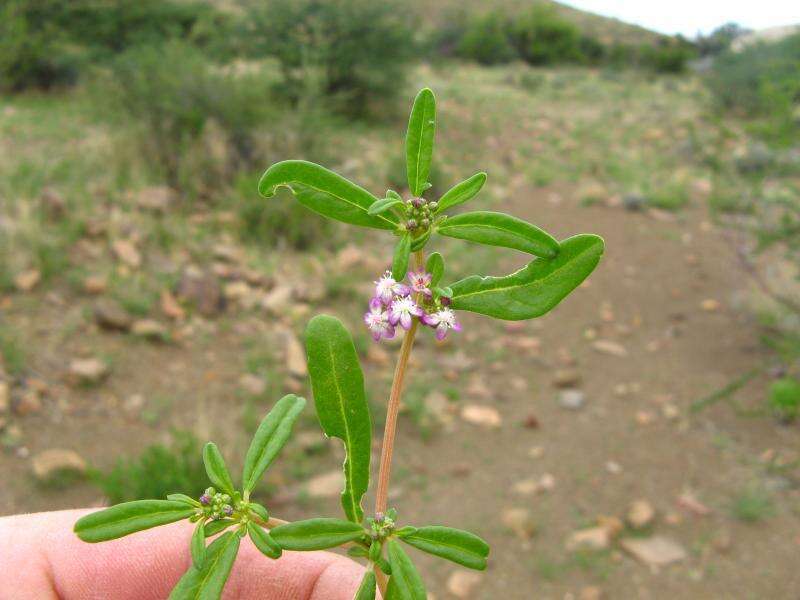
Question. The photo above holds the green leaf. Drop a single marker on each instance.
(419, 242)
(405, 531)
(401, 253)
(382, 205)
(419, 140)
(447, 292)
(130, 517)
(499, 229)
(263, 541)
(270, 437)
(405, 577)
(357, 552)
(215, 468)
(207, 582)
(366, 591)
(259, 511)
(198, 545)
(183, 498)
(435, 266)
(461, 192)
(536, 288)
(341, 402)
(393, 194)
(325, 192)
(215, 527)
(460, 546)
(316, 534)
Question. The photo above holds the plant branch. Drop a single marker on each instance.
(382, 494)
(380, 577)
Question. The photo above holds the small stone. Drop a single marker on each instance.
(150, 329)
(591, 592)
(640, 514)
(710, 305)
(295, 355)
(536, 452)
(644, 417)
(634, 202)
(611, 348)
(126, 252)
(133, 404)
(5, 397)
(687, 500)
(571, 399)
(656, 551)
(88, 371)
(278, 300)
(53, 204)
(566, 378)
(613, 467)
(111, 316)
(462, 584)
(28, 403)
(27, 280)
(483, 416)
(51, 465)
(613, 525)
(95, 285)
(201, 289)
(525, 487)
(157, 199)
(519, 521)
(326, 485)
(547, 482)
(252, 384)
(593, 538)
(170, 306)
(531, 421)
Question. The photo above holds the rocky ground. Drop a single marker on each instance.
(569, 442)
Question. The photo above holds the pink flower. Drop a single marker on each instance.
(420, 282)
(442, 321)
(386, 288)
(401, 311)
(377, 321)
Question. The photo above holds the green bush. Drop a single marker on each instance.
(762, 82)
(158, 471)
(784, 398)
(668, 56)
(194, 122)
(354, 53)
(487, 40)
(543, 38)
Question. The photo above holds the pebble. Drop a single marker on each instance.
(640, 514)
(462, 584)
(484, 416)
(170, 306)
(566, 378)
(520, 521)
(571, 399)
(593, 538)
(150, 329)
(126, 252)
(111, 316)
(28, 403)
(591, 592)
(611, 348)
(95, 285)
(295, 355)
(203, 290)
(27, 280)
(656, 551)
(51, 463)
(87, 370)
(710, 305)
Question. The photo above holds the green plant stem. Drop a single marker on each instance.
(380, 577)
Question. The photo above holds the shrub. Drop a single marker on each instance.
(543, 38)
(158, 471)
(668, 56)
(486, 40)
(194, 122)
(352, 52)
(761, 81)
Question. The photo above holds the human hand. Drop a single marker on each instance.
(42, 559)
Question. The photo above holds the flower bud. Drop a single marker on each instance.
(205, 500)
(426, 222)
(433, 205)
(411, 224)
(228, 510)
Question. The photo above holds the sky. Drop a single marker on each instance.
(692, 16)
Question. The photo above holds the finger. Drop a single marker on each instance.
(43, 559)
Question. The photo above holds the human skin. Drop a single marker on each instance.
(42, 559)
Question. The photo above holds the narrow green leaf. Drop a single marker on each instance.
(405, 577)
(461, 192)
(316, 534)
(325, 192)
(263, 541)
(357, 552)
(366, 591)
(499, 229)
(393, 194)
(183, 498)
(270, 437)
(207, 582)
(460, 546)
(405, 531)
(215, 468)
(341, 402)
(419, 140)
(402, 251)
(419, 242)
(215, 527)
(382, 205)
(198, 545)
(130, 517)
(375, 550)
(435, 266)
(260, 511)
(536, 288)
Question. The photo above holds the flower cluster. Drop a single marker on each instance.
(216, 504)
(397, 303)
(420, 213)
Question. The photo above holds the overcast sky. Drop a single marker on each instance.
(690, 16)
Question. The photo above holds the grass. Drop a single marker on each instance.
(12, 353)
(752, 504)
